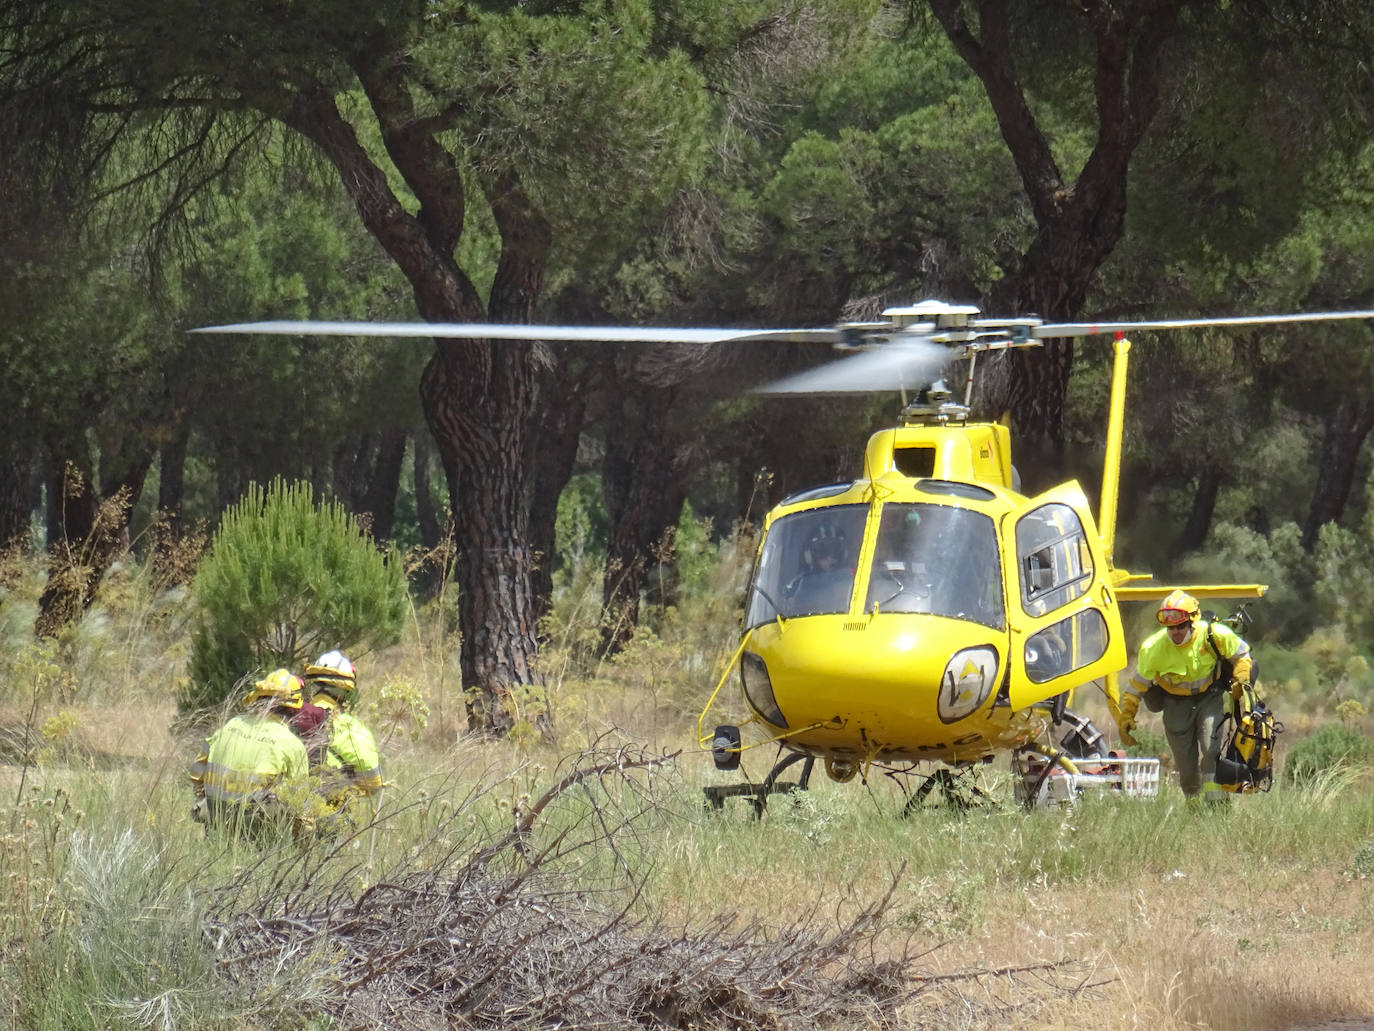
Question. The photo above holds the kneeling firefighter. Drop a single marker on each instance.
(1191, 671)
(249, 760)
(351, 751)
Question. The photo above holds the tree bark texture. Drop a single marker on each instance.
(480, 452)
(477, 395)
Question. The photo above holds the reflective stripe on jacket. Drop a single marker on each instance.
(1189, 668)
(352, 745)
(249, 754)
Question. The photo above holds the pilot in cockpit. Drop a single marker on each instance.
(825, 579)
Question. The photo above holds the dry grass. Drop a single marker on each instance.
(1109, 917)
(1187, 953)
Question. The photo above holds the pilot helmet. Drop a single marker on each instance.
(825, 543)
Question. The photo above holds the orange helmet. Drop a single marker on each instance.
(1178, 608)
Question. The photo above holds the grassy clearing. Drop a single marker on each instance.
(1118, 913)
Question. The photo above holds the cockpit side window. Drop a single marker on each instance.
(806, 565)
(1053, 555)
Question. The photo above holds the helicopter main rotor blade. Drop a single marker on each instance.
(1083, 329)
(517, 331)
(901, 364)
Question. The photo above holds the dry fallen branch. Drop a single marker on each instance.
(541, 926)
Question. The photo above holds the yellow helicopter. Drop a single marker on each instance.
(926, 612)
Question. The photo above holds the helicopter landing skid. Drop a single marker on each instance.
(757, 794)
(957, 790)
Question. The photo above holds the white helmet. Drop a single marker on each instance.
(332, 674)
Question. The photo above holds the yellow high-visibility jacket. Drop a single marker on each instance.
(250, 754)
(352, 748)
(1190, 668)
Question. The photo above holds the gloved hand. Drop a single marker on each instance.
(1238, 690)
(1125, 716)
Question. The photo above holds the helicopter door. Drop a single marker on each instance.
(1064, 620)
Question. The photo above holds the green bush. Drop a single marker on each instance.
(1332, 746)
(287, 578)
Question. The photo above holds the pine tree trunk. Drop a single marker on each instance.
(15, 503)
(555, 452)
(642, 479)
(477, 395)
(1078, 223)
(1346, 427)
(497, 619)
(384, 483)
(1204, 505)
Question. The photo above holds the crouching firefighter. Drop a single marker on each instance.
(349, 756)
(252, 760)
(1192, 672)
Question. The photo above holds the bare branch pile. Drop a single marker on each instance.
(540, 926)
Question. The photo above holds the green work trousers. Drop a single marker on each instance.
(1192, 724)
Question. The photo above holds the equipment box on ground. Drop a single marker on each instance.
(1042, 782)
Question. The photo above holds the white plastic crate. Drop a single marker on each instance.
(1138, 778)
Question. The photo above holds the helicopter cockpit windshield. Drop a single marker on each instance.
(937, 559)
(807, 564)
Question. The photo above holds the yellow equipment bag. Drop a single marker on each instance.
(1246, 764)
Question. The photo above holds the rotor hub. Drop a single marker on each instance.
(932, 406)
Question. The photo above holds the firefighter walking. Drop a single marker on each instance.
(1188, 671)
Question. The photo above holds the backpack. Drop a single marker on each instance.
(1246, 764)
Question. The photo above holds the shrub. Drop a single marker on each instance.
(287, 578)
(1332, 746)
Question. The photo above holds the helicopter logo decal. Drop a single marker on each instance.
(961, 695)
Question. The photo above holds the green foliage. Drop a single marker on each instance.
(1149, 742)
(1238, 554)
(1332, 747)
(581, 526)
(1344, 590)
(286, 578)
(852, 205)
